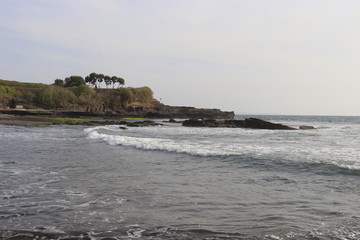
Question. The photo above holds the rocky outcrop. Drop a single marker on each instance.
(164, 111)
(203, 123)
(157, 110)
(261, 124)
(254, 123)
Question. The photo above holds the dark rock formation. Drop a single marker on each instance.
(254, 123)
(164, 111)
(261, 124)
(143, 124)
(203, 123)
(235, 123)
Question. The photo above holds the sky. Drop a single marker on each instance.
(247, 56)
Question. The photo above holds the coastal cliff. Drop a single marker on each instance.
(73, 98)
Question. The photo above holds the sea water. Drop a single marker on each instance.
(174, 182)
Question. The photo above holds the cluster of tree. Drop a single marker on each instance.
(72, 81)
(93, 79)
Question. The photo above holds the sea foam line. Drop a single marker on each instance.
(153, 143)
(343, 158)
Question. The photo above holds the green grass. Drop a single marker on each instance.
(137, 119)
(61, 120)
(23, 86)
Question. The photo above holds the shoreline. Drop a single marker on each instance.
(39, 117)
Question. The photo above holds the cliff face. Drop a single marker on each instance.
(143, 111)
(155, 109)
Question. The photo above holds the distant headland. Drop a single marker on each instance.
(96, 95)
(78, 100)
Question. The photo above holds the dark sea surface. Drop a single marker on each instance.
(173, 182)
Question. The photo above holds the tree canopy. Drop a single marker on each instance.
(96, 79)
(74, 81)
(59, 82)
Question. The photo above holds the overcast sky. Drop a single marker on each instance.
(247, 56)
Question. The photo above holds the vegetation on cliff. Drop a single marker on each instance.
(73, 93)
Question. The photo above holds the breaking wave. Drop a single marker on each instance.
(297, 146)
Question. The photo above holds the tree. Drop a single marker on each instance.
(59, 82)
(100, 78)
(114, 80)
(91, 79)
(119, 80)
(96, 79)
(107, 80)
(74, 81)
(125, 96)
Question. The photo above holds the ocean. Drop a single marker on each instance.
(174, 182)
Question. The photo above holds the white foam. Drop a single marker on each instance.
(154, 144)
(135, 233)
(331, 145)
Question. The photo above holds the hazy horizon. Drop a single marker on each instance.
(248, 56)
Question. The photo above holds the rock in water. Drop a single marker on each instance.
(304, 127)
(262, 124)
(145, 123)
(254, 123)
(202, 123)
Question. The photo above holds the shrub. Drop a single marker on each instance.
(82, 90)
(56, 97)
(126, 95)
(5, 90)
(143, 94)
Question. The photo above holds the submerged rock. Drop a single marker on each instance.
(305, 127)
